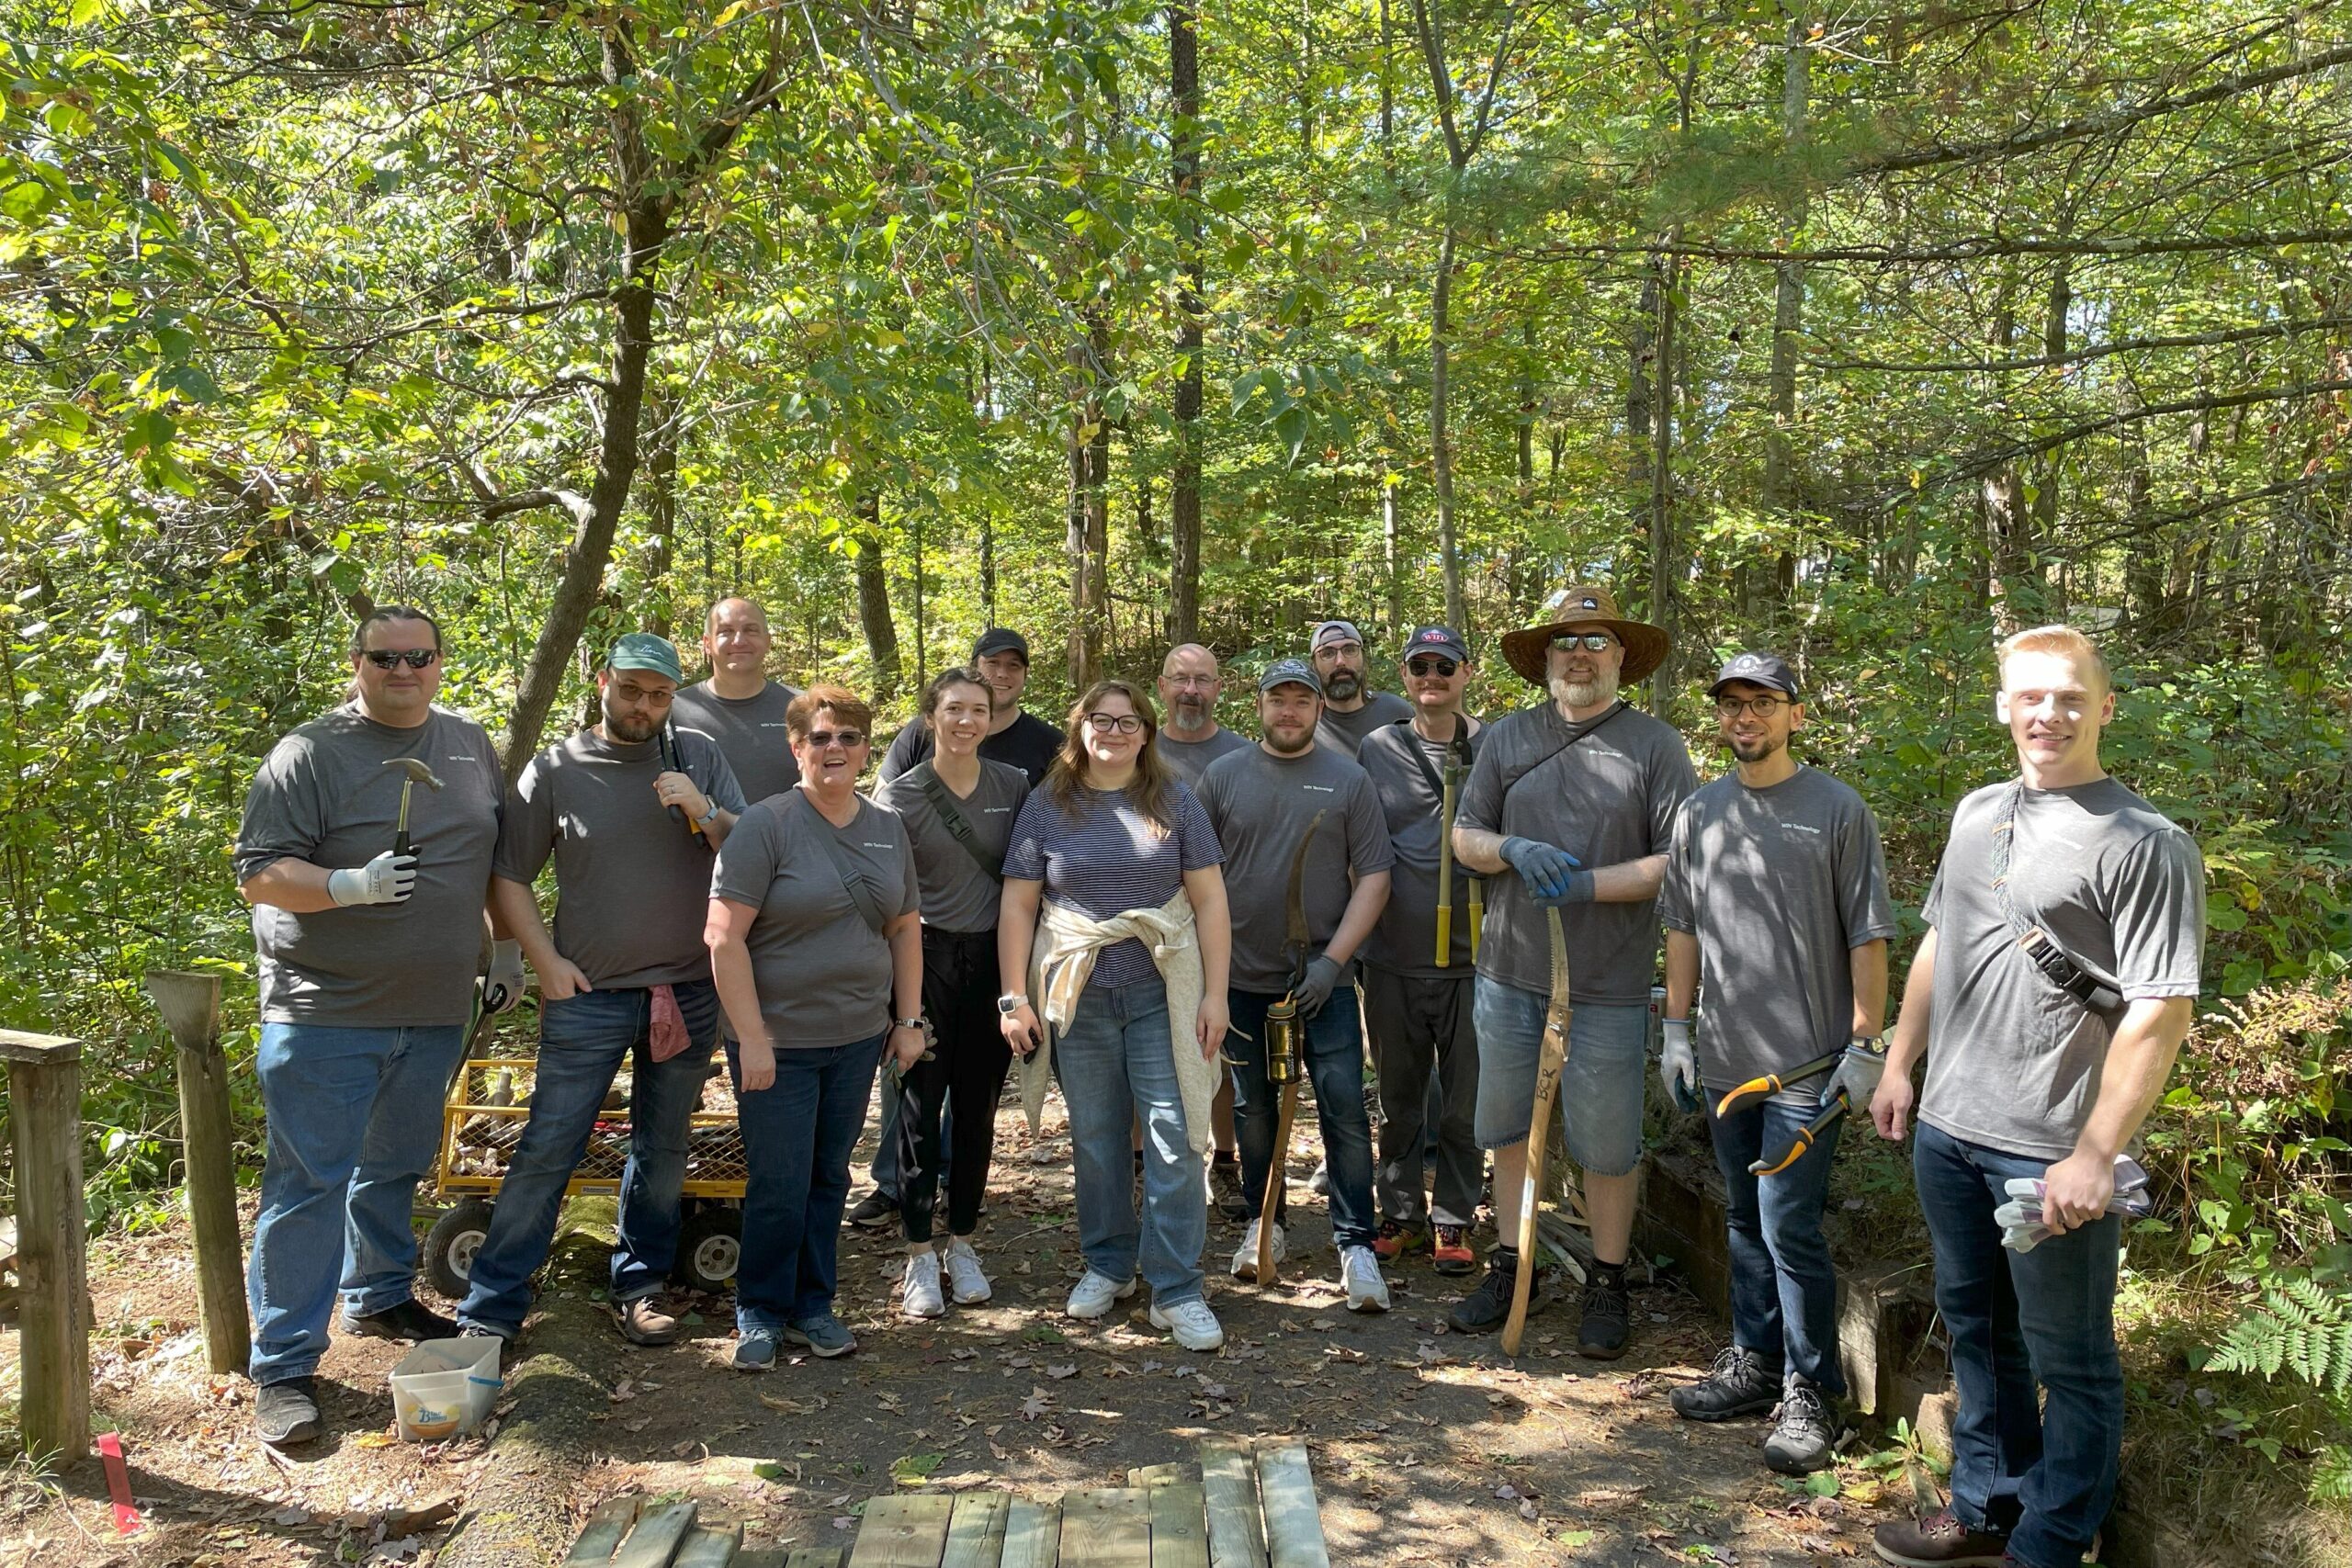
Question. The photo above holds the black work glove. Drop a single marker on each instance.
(1314, 988)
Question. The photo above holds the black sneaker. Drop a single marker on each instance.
(1809, 1432)
(1738, 1386)
(877, 1208)
(407, 1321)
(287, 1413)
(1487, 1308)
(1608, 1318)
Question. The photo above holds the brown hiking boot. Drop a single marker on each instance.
(1939, 1540)
(642, 1323)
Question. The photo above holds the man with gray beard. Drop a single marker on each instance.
(1191, 739)
(1576, 798)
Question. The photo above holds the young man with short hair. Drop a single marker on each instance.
(739, 709)
(1775, 893)
(2066, 928)
(1352, 709)
(1015, 735)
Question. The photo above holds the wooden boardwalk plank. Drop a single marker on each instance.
(1156, 1476)
(1033, 1534)
(605, 1529)
(1180, 1532)
(1294, 1523)
(976, 1530)
(656, 1537)
(808, 1557)
(1229, 1478)
(903, 1532)
(707, 1546)
(1107, 1528)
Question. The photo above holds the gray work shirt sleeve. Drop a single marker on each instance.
(1859, 867)
(527, 834)
(1676, 899)
(2159, 917)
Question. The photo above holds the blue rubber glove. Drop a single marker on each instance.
(1315, 986)
(1552, 875)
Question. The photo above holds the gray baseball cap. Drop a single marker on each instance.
(1333, 631)
(1290, 672)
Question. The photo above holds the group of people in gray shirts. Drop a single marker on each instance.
(1120, 904)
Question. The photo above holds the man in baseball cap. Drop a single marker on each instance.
(1571, 805)
(1015, 736)
(1352, 709)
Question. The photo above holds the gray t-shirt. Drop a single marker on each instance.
(2013, 1062)
(958, 894)
(1404, 942)
(1779, 885)
(631, 884)
(1609, 799)
(325, 796)
(1345, 732)
(823, 975)
(1105, 856)
(750, 731)
(1190, 760)
(1260, 804)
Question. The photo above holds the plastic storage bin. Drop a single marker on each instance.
(444, 1388)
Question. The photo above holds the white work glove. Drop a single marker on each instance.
(501, 987)
(390, 878)
(1859, 1071)
(1677, 1064)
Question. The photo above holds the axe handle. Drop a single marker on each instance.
(1271, 1206)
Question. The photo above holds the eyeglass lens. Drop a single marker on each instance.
(1440, 666)
(1591, 641)
(1762, 708)
(1125, 723)
(414, 658)
(821, 739)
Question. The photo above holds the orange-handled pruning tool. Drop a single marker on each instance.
(1756, 1090)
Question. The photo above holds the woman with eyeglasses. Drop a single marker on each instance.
(1113, 931)
(958, 809)
(817, 948)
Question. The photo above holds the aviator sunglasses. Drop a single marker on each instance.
(414, 658)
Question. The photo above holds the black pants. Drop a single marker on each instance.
(959, 991)
(1415, 1022)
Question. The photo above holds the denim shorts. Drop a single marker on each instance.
(1600, 1086)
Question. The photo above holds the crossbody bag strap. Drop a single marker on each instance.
(942, 801)
(1512, 781)
(859, 893)
(2038, 946)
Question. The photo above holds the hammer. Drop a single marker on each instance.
(416, 772)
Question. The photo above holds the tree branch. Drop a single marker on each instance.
(2095, 351)
(1958, 249)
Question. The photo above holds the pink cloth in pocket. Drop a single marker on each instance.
(669, 1032)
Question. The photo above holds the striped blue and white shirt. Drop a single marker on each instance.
(1103, 857)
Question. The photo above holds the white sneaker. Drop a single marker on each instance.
(920, 1297)
(1245, 1256)
(1094, 1295)
(1194, 1326)
(965, 1283)
(1360, 1275)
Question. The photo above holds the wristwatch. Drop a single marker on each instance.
(1011, 1003)
(913, 1023)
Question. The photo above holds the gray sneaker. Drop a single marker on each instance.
(755, 1350)
(825, 1335)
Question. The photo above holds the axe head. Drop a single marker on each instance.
(416, 771)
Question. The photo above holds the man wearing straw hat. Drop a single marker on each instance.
(1571, 805)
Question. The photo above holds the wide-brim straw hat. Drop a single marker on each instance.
(1585, 607)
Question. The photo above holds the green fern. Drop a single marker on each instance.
(2299, 1326)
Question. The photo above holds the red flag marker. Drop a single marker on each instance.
(125, 1516)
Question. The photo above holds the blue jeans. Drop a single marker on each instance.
(797, 1134)
(353, 1121)
(1115, 1066)
(1783, 1286)
(583, 1040)
(2046, 1476)
(1601, 1083)
(1334, 1052)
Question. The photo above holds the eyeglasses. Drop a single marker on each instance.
(820, 740)
(1591, 642)
(387, 657)
(1443, 667)
(1187, 683)
(1762, 708)
(1104, 723)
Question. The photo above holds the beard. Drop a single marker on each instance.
(1584, 694)
(1288, 744)
(1186, 715)
(629, 731)
(1754, 752)
(1342, 684)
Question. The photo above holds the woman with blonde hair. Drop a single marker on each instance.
(1114, 932)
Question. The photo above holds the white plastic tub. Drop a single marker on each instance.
(445, 1387)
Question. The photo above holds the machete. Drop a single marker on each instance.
(1547, 1095)
(1285, 1046)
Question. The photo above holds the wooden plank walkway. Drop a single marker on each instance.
(1252, 1505)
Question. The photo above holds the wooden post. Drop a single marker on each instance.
(45, 1114)
(190, 1003)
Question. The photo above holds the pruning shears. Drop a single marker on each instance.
(1758, 1089)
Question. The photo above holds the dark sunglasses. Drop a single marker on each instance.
(1443, 667)
(1592, 642)
(845, 738)
(414, 658)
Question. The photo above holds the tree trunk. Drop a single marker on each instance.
(1184, 498)
(874, 598)
(1661, 518)
(661, 520)
(1441, 445)
(2049, 473)
(2011, 594)
(1782, 492)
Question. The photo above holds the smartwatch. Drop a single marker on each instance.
(1011, 1003)
(913, 1023)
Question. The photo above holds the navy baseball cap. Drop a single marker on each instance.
(1441, 640)
(1758, 670)
(1290, 672)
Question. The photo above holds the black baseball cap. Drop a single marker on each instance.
(1290, 672)
(1758, 670)
(1002, 639)
(1441, 640)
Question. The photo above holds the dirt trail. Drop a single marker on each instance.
(1428, 1446)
